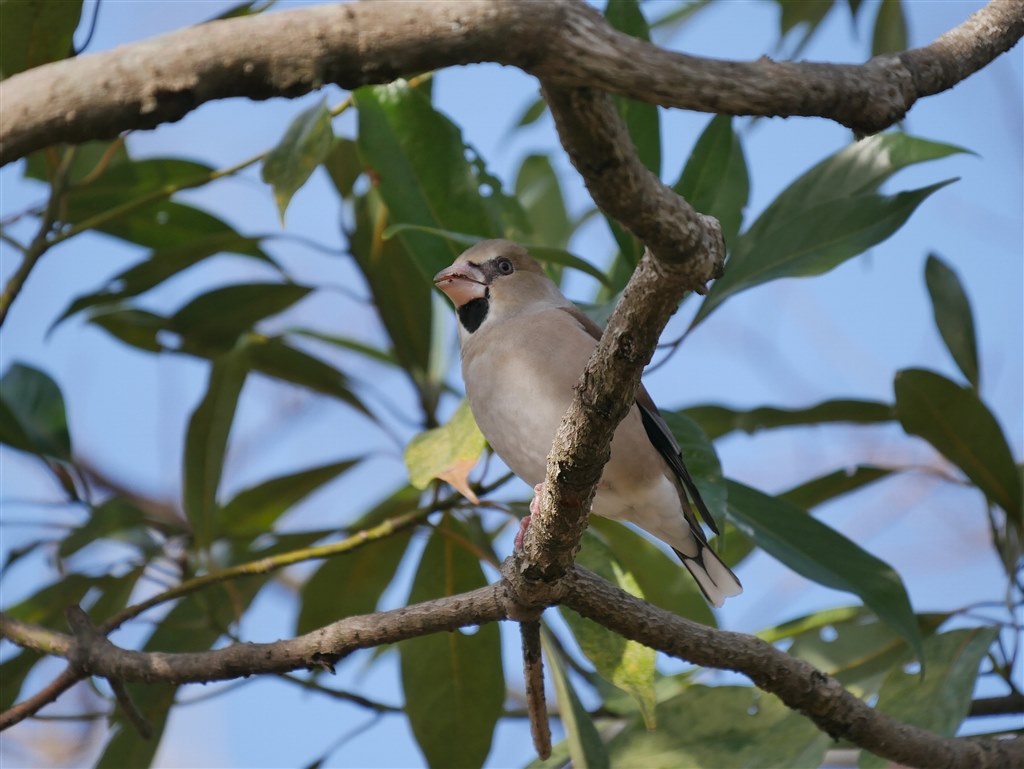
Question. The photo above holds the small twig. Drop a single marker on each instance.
(139, 721)
(338, 694)
(997, 706)
(41, 242)
(265, 565)
(31, 705)
(533, 672)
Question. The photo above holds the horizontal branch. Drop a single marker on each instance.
(798, 684)
(563, 42)
(96, 655)
(1008, 704)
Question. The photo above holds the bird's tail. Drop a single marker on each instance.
(715, 580)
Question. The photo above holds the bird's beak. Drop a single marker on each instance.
(462, 283)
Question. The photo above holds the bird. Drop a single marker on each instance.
(523, 347)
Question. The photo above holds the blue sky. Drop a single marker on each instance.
(791, 343)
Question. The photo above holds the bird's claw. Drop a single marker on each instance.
(524, 524)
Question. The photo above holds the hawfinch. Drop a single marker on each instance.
(524, 346)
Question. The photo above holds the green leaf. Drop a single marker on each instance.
(35, 32)
(274, 357)
(401, 297)
(953, 316)
(271, 356)
(138, 328)
(206, 443)
(718, 421)
(352, 583)
(13, 672)
(959, 425)
(681, 13)
(715, 179)
(532, 113)
(701, 460)
(32, 416)
(221, 315)
(448, 452)
(345, 343)
(641, 117)
(540, 195)
(890, 29)
(160, 224)
(419, 165)
(543, 254)
(821, 554)
(850, 644)
(830, 214)
(941, 700)
(454, 684)
(194, 624)
(797, 13)
(41, 165)
(819, 490)
(46, 606)
(304, 146)
(722, 726)
(155, 269)
(107, 520)
(343, 165)
(662, 579)
(586, 748)
(247, 8)
(627, 664)
(256, 509)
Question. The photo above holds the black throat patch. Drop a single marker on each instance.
(472, 313)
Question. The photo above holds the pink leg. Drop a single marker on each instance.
(524, 524)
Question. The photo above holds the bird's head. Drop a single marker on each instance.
(493, 280)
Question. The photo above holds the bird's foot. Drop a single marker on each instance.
(524, 524)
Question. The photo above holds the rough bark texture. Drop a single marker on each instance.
(564, 42)
(798, 684)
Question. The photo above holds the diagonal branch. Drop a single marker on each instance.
(798, 684)
(563, 42)
(685, 250)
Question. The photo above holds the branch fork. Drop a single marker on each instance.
(580, 61)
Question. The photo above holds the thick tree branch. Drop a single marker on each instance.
(685, 250)
(322, 648)
(564, 42)
(798, 684)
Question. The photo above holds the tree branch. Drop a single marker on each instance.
(578, 57)
(322, 648)
(564, 42)
(1008, 704)
(798, 684)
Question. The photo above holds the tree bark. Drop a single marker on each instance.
(564, 42)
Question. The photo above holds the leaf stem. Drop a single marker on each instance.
(41, 242)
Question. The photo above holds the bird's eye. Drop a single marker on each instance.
(505, 266)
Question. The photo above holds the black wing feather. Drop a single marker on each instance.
(663, 440)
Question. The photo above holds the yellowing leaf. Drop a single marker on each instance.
(448, 452)
(627, 664)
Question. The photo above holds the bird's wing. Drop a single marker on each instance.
(658, 431)
(661, 436)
